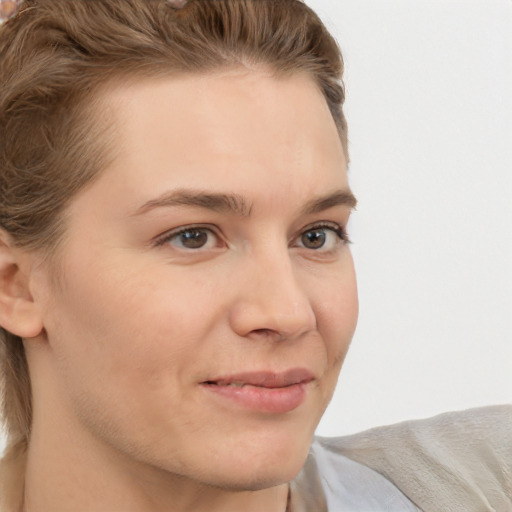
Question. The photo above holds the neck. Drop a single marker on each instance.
(12, 475)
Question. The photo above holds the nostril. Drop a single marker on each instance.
(274, 313)
(262, 331)
(269, 333)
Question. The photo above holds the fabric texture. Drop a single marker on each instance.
(454, 462)
(332, 482)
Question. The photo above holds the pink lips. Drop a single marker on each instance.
(268, 392)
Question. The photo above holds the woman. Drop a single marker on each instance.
(177, 291)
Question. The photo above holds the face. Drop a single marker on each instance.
(208, 295)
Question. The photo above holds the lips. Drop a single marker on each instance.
(263, 391)
(265, 379)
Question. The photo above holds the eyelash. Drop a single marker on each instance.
(167, 237)
(338, 230)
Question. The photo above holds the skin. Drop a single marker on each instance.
(118, 351)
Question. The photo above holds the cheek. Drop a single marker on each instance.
(123, 345)
(132, 328)
(337, 312)
(340, 300)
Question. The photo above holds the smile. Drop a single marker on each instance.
(267, 392)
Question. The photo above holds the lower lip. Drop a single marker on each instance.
(268, 400)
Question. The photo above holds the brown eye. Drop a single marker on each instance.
(323, 238)
(314, 239)
(192, 238)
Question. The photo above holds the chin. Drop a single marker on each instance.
(257, 465)
(249, 453)
(257, 479)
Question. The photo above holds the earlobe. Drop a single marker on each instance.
(19, 314)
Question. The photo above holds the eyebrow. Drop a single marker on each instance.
(236, 204)
(223, 203)
(338, 198)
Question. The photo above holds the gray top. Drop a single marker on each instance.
(332, 482)
(454, 462)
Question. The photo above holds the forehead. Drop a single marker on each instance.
(224, 129)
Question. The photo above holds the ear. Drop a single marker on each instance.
(19, 314)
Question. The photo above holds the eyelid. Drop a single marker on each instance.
(162, 239)
(337, 228)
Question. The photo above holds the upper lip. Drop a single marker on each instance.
(265, 379)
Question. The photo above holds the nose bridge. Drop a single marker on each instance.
(272, 299)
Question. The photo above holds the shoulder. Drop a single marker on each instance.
(330, 481)
(454, 461)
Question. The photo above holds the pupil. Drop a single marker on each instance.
(313, 239)
(194, 239)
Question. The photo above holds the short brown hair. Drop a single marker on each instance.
(55, 54)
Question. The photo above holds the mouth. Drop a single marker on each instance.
(267, 392)
(264, 379)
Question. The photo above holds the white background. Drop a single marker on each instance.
(429, 88)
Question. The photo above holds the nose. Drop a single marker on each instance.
(271, 304)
